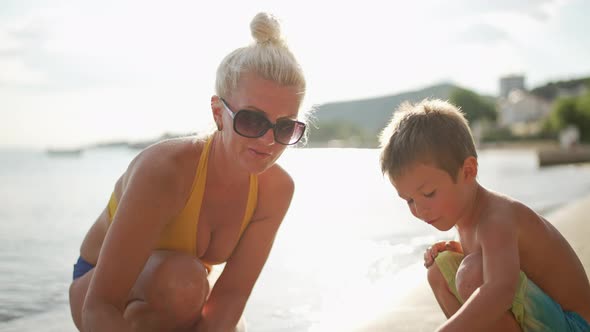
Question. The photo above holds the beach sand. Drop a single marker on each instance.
(419, 311)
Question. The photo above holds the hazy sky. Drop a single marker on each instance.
(75, 72)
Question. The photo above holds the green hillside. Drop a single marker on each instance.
(361, 120)
(551, 90)
(373, 113)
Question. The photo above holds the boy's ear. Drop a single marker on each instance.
(469, 168)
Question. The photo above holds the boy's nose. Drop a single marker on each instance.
(422, 212)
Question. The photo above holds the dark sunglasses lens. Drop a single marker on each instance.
(251, 124)
(289, 131)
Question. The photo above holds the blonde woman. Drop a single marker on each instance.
(186, 204)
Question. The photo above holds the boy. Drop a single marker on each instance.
(512, 270)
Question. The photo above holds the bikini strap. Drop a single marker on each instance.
(252, 203)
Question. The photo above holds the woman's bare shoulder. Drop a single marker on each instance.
(173, 149)
(169, 160)
(276, 177)
(275, 191)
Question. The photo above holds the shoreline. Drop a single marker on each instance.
(519, 145)
(420, 311)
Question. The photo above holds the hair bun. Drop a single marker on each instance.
(265, 28)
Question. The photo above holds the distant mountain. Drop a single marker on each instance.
(357, 123)
(372, 114)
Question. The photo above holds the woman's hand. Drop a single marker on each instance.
(432, 251)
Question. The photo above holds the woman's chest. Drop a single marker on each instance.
(219, 226)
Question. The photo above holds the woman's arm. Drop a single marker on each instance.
(148, 201)
(228, 298)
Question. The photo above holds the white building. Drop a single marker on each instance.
(510, 83)
(523, 112)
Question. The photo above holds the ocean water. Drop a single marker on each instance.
(348, 248)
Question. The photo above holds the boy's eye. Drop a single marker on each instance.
(430, 194)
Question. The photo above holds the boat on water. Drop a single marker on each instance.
(64, 152)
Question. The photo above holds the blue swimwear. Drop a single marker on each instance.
(533, 309)
(81, 267)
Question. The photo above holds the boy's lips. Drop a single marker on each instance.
(432, 221)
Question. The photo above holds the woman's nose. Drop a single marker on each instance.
(268, 138)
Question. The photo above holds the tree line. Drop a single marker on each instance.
(478, 109)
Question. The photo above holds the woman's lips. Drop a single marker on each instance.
(259, 153)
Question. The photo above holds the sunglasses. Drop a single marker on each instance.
(253, 124)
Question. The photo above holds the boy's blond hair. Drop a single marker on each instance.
(434, 132)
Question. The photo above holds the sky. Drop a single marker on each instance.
(78, 72)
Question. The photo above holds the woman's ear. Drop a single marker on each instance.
(469, 169)
(217, 110)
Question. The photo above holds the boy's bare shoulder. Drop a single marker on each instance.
(497, 207)
(503, 209)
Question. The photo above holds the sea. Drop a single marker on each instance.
(347, 250)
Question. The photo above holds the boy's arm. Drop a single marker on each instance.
(501, 267)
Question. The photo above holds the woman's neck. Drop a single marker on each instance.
(222, 168)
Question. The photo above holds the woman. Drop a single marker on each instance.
(186, 204)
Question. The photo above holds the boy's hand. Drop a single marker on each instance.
(432, 251)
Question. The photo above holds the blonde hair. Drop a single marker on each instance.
(269, 57)
(432, 132)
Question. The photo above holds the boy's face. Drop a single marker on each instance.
(431, 194)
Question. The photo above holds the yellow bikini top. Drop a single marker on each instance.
(181, 233)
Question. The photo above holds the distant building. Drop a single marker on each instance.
(510, 83)
(522, 112)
